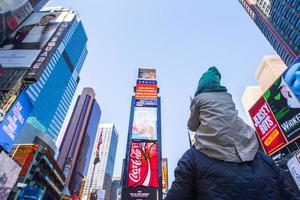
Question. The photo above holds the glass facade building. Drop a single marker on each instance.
(279, 21)
(52, 93)
(78, 141)
(100, 174)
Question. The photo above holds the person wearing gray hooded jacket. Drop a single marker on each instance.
(224, 163)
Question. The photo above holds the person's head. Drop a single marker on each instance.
(46, 19)
(210, 81)
(292, 101)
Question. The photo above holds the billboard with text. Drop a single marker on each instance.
(34, 42)
(267, 128)
(286, 108)
(146, 93)
(14, 120)
(143, 165)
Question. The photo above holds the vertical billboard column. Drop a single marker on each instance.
(142, 171)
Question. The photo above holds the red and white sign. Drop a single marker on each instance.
(146, 91)
(267, 128)
(143, 165)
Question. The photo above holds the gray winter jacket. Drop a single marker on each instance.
(220, 133)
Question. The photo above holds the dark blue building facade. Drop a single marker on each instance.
(279, 21)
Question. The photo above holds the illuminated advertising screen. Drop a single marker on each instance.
(12, 13)
(144, 123)
(292, 77)
(165, 179)
(285, 107)
(140, 193)
(23, 155)
(146, 93)
(147, 74)
(14, 120)
(267, 129)
(34, 42)
(31, 192)
(9, 173)
(143, 165)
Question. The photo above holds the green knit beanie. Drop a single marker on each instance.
(210, 82)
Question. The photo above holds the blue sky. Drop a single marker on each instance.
(181, 39)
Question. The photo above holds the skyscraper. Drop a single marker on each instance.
(142, 167)
(101, 167)
(52, 69)
(279, 22)
(78, 141)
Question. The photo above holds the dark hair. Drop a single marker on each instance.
(49, 15)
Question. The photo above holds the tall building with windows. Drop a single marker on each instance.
(78, 141)
(279, 21)
(53, 73)
(100, 173)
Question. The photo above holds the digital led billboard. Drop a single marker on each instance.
(143, 165)
(285, 107)
(23, 155)
(9, 173)
(147, 74)
(146, 93)
(34, 42)
(14, 120)
(140, 193)
(266, 126)
(144, 123)
(165, 177)
(292, 77)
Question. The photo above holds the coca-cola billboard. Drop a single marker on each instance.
(143, 165)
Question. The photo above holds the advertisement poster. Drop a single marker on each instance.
(140, 193)
(9, 173)
(269, 133)
(14, 120)
(146, 93)
(30, 45)
(294, 167)
(144, 123)
(32, 193)
(292, 77)
(24, 155)
(12, 13)
(285, 107)
(143, 165)
(147, 74)
(165, 179)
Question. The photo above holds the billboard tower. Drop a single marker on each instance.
(142, 171)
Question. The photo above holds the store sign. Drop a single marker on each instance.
(9, 173)
(294, 167)
(140, 193)
(144, 123)
(143, 165)
(14, 120)
(285, 107)
(268, 131)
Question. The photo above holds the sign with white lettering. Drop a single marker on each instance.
(267, 128)
(14, 120)
(285, 107)
(294, 167)
(140, 193)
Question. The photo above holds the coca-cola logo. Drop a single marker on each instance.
(135, 171)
